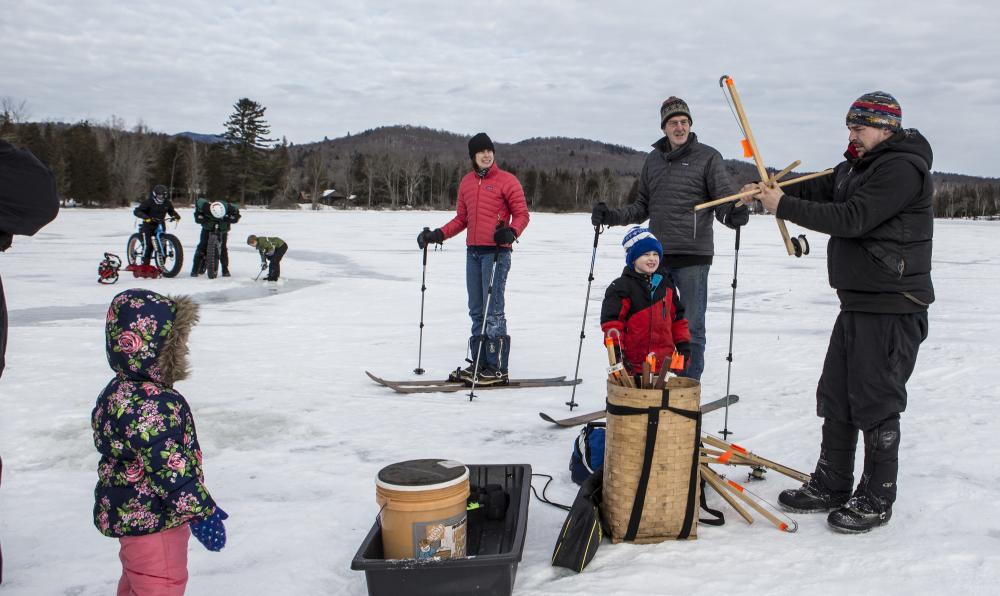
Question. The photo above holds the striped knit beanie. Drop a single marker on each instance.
(673, 106)
(637, 242)
(877, 109)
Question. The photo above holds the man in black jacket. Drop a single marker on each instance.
(877, 209)
(678, 174)
(28, 201)
(152, 211)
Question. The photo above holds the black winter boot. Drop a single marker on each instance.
(465, 374)
(830, 485)
(812, 497)
(862, 513)
(496, 352)
(871, 505)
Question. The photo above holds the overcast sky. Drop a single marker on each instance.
(597, 70)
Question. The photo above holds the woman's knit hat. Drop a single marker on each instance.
(637, 242)
(877, 109)
(480, 142)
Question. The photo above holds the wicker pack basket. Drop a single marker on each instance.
(651, 462)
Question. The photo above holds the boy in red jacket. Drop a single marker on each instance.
(491, 206)
(642, 305)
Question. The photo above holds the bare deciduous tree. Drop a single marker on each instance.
(130, 157)
(194, 162)
(413, 176)
(315, 174)
(13, 111)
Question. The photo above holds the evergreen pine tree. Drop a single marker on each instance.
(246, 135)
(89, 180)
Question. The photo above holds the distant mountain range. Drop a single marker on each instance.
(542, 153)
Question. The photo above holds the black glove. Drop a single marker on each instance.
(601, 215)
(5, 239)
(738, 216)
(504, 235)
(426, 237)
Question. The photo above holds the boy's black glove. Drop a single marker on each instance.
(737, 216)
(504, 235)
(426, 237)
(601, 215)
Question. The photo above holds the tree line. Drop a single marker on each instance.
(108, 164)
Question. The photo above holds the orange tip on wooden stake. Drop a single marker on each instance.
(729, 81)
(737, 448)
(783, 527)
(725, 457)
(747, 150)
(734, 485)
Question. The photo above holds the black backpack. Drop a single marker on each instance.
(582, 531)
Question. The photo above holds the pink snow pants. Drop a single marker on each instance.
(154, 564)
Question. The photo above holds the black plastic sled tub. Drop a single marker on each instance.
(494, 548)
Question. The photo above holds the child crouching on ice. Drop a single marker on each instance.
(642, 305)
(150, 491)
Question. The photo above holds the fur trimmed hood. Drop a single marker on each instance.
(147, 333)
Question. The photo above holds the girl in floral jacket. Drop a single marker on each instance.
(150, 492)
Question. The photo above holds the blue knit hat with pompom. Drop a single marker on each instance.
(637, 242)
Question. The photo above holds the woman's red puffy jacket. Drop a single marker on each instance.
(482, 200)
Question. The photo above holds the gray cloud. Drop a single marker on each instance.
(518, 69)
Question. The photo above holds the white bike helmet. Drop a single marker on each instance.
(217, 209)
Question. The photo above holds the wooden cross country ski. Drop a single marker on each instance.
(590, 417)
(446, 386)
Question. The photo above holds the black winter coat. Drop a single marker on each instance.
(28, 201)
(156, 211)
(878, 212)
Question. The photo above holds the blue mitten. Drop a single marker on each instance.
(211, 532)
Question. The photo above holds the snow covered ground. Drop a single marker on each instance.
(293, 432)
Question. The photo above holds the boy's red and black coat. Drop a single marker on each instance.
(650, 319)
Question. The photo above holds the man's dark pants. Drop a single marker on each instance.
(863, 388)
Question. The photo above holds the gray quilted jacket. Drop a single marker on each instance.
(670, 185)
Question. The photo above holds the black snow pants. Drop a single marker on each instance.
(274, 269)
(863, 388)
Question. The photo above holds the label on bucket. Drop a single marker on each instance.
(444, 539)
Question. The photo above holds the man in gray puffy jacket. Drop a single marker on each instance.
(680, 173)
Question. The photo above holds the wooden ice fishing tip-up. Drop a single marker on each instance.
(794, 246)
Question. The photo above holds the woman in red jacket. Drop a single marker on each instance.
(491, 206)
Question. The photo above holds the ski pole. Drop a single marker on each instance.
(732, 318)
(583, 326)
(482, 329)
(423, 289)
